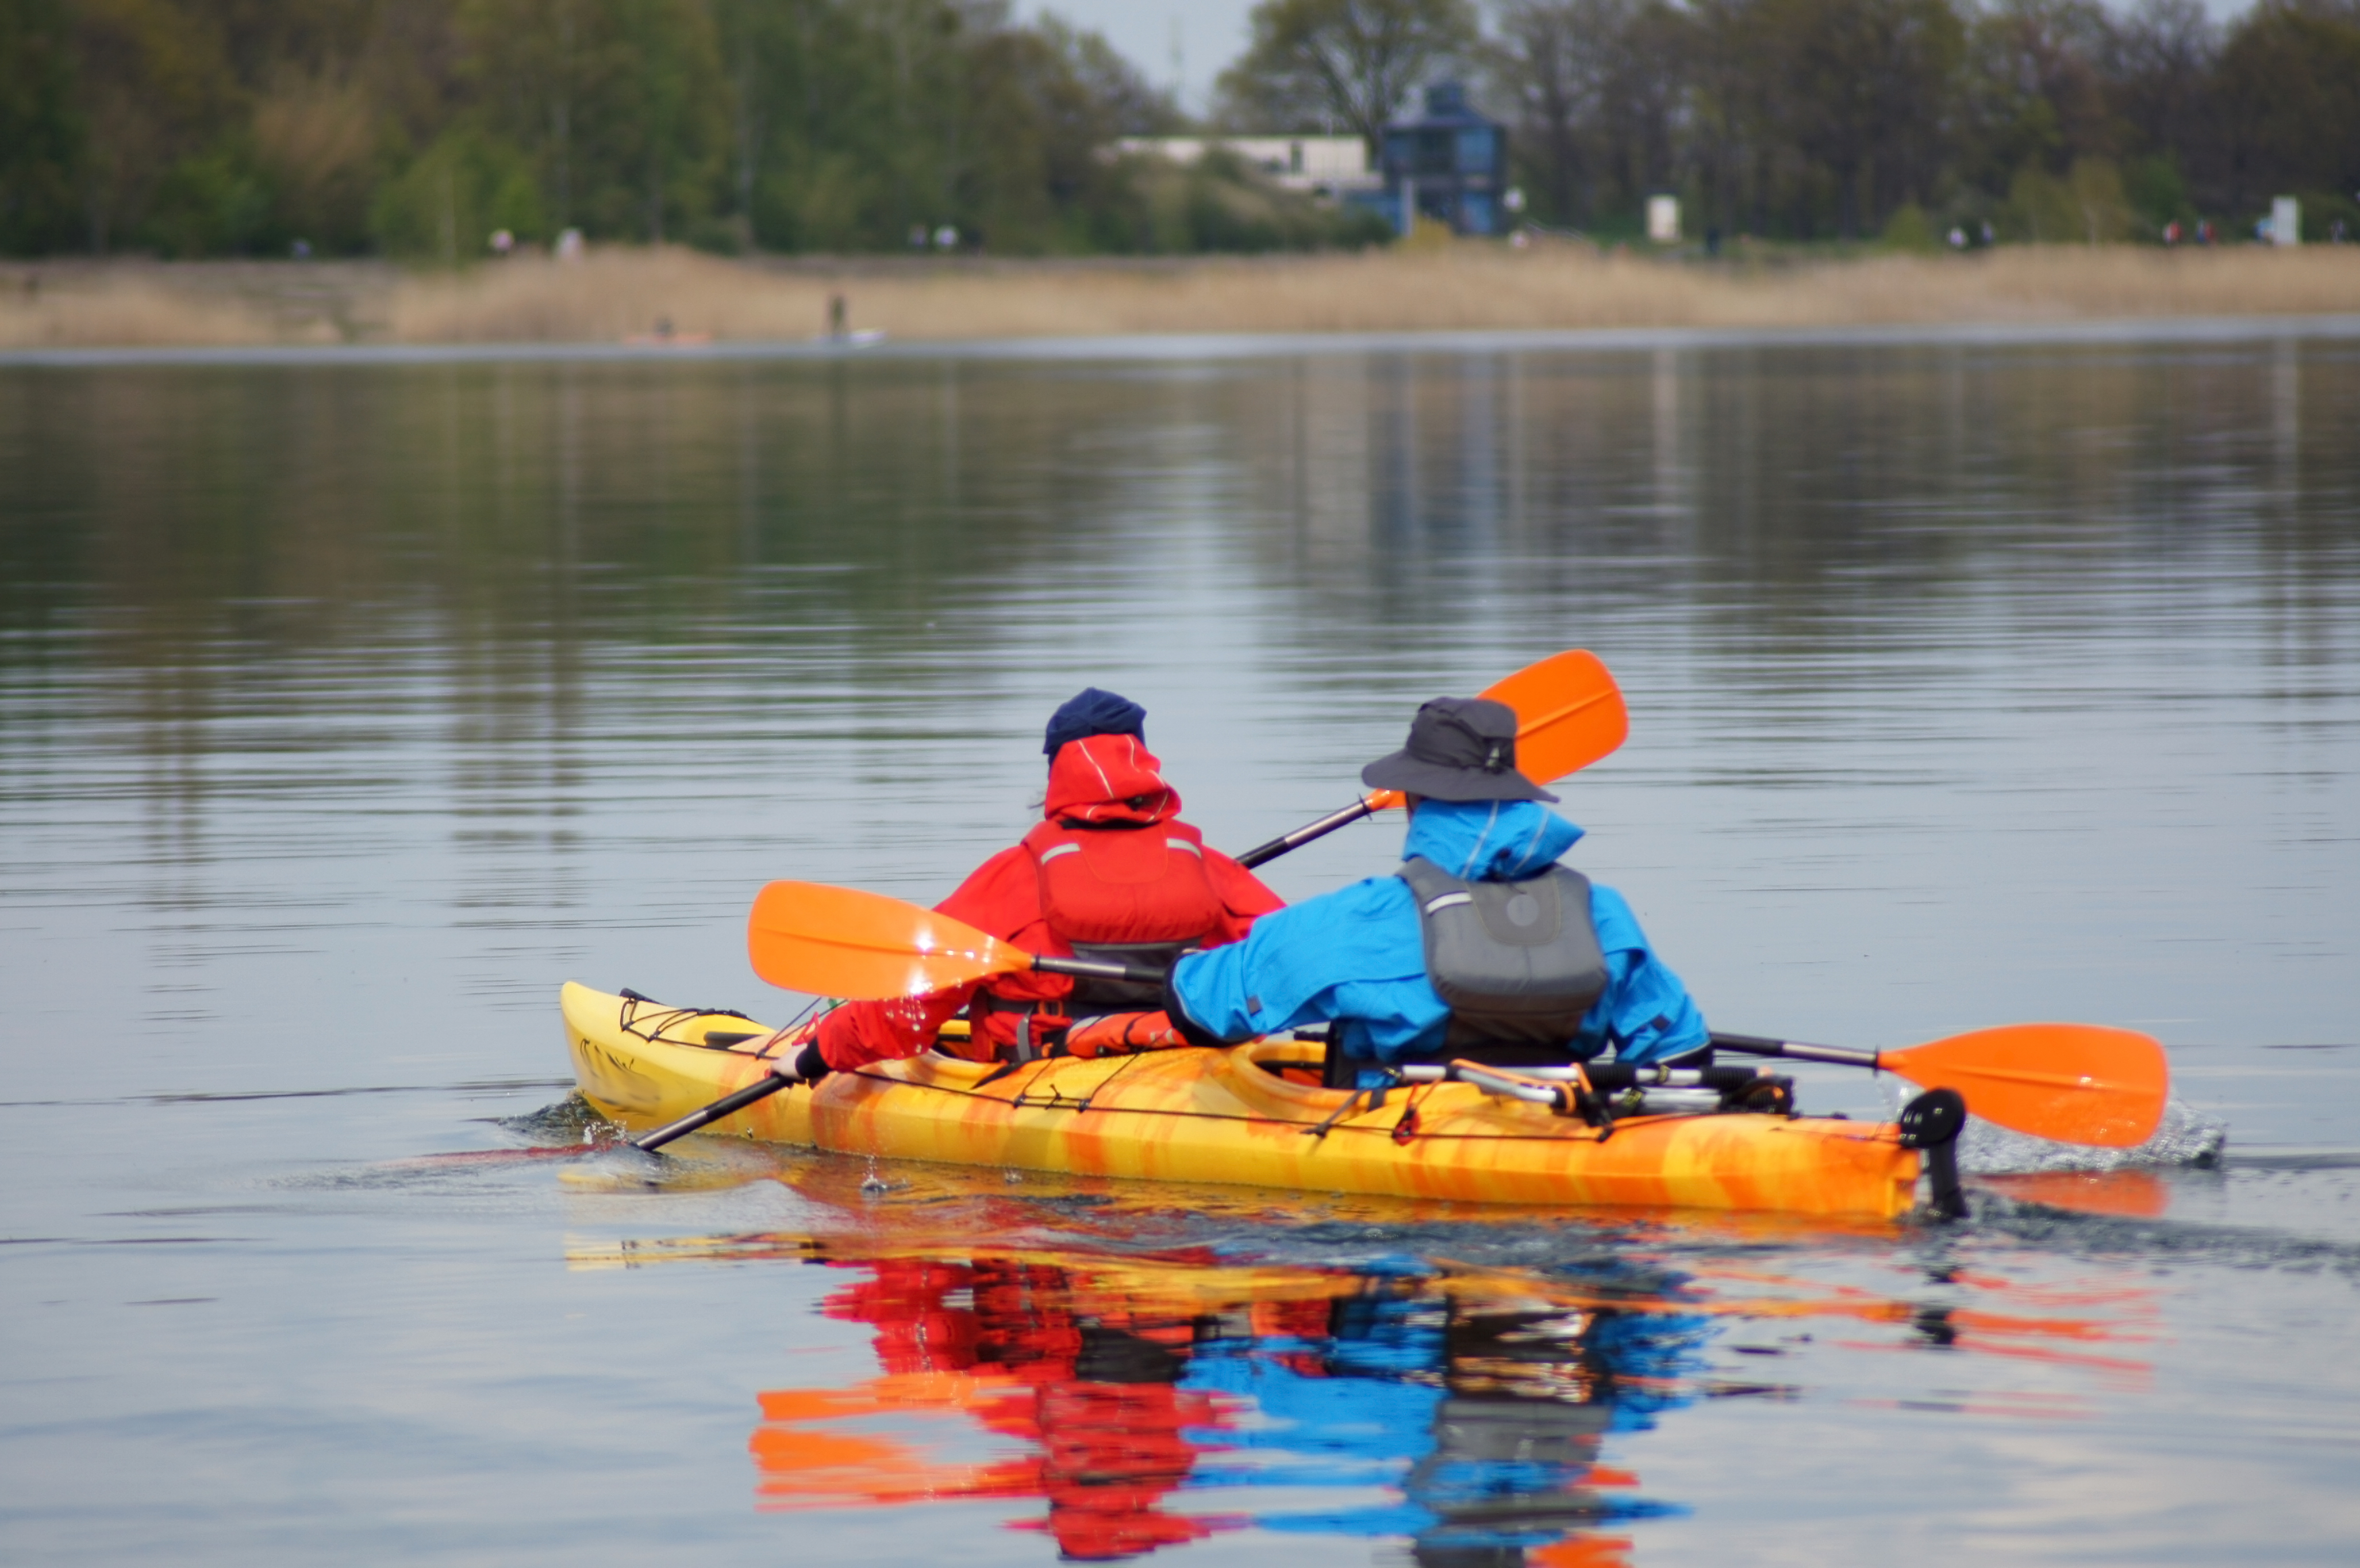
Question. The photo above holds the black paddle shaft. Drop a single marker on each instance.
(760, 1089)
(1262, 854)
(1098, 969)
(763, 1088)
(1795, 1051)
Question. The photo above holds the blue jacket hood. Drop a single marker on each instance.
(1488, 840)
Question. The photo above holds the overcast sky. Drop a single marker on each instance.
(1210, 33)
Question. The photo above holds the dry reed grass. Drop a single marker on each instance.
(612, 294)
(142, 304)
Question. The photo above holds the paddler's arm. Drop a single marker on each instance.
(1646, 1013)
(1208, 982)
(1353, 953)
(1244, 900)
(998, 897)
(858, 1033)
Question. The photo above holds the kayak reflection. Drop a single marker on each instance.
(1468, 1422)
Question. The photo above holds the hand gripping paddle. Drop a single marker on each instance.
(840, 941)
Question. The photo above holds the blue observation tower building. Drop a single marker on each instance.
(1448, 163)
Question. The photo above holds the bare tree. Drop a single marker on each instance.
(1329, 64)
(2161, 60)
(1546, 61)
(1598, 88)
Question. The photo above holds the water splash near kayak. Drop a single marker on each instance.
(2184, 1137)
(573, 1120)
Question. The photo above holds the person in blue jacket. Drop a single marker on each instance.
(1481, 945)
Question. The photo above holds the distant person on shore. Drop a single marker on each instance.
(1111, 871)
(1481, 945)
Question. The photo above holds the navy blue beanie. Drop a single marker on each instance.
(1091, 712)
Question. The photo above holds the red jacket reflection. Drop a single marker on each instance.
(1109, 1423)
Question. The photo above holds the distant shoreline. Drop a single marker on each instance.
(2131, 332)
(681, 304)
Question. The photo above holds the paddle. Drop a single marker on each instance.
(2068, 1082)
(841, 941)
(1570, 713)
(761, 1088)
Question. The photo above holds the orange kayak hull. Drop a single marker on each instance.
(1235, 1116)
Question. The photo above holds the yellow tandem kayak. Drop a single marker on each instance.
(1232, 1116)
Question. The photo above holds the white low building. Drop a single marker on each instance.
(1322, 166)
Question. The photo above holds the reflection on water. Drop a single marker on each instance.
(1485, 1415)
(346, 710)
(1153, 1376)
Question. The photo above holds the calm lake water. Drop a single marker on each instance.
(346, 710)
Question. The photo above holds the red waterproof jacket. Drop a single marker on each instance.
(1111, 862)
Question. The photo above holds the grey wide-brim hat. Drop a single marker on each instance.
(1460, 748)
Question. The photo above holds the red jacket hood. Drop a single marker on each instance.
(1107, 778)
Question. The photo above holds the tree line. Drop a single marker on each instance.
(2047, 120)
(419, 127)
(2041, 120)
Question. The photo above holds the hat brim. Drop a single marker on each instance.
(1414, 776)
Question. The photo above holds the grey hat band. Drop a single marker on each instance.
(1460, 748)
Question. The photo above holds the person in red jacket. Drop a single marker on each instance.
(1111, 871)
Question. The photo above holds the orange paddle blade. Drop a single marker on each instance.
(2070, 1082)
(840, 941)
(1570, 713)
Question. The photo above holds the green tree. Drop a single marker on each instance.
(444, 206)
(1908, 231)
(2289, 93)
(2158, 195)
(157, 93)
(2036, 89)
(40, 126)
(1341, 64)
(621, 105)
(322, 141)
(2158, 65)
(1860, 90)
(1222, 203)
(854, 124)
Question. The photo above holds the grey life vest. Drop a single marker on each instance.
(1517, 961)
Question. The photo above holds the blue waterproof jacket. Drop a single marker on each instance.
(1357, 956)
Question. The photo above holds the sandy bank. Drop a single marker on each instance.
(613, 295)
